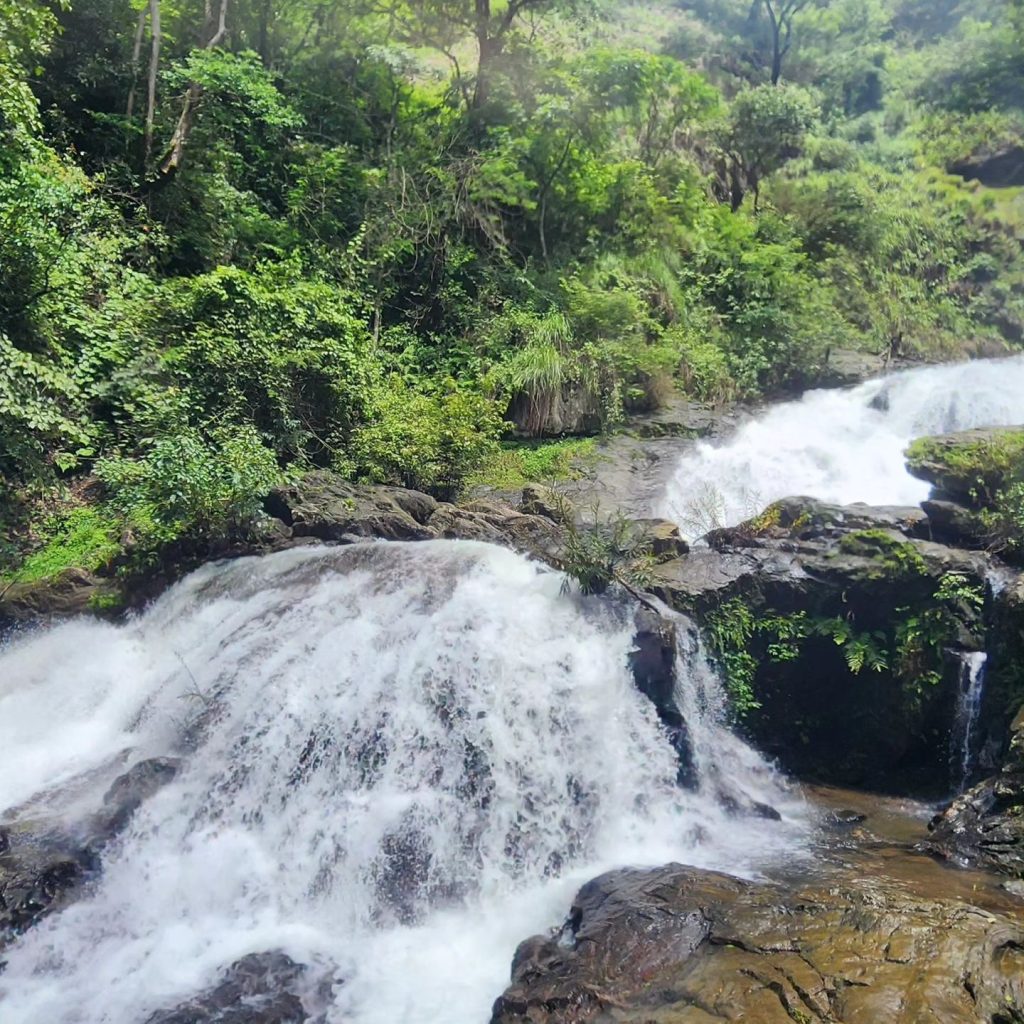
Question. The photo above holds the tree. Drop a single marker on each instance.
(443, 23)
(766, 127)
(26, 29)
(780, 16)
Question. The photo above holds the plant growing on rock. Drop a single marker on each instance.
(616, 552)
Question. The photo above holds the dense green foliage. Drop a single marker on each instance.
(909, 648)
(381, 237)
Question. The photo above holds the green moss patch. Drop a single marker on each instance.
(519, 463)
(80, 539)
(973, 466)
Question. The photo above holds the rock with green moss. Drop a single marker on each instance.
(838, 629)
(970, 467)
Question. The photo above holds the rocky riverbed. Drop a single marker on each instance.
(907, 912)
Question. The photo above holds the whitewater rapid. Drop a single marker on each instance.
(841, 446)
(398, 761)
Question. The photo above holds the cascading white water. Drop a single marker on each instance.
(398, 761)
(970, 689)
(840, 446)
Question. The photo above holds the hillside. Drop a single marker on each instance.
(238, 242)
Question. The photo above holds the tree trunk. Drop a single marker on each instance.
(171, 162)
(154, 64)
(140, 30)
(222, 27)
(776, 22)
(264, 34)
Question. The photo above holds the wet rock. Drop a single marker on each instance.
(44, 864)
(324, 506)
(952, 523)
(129, 791)
(70, 592)
(38, 874)
(846, 817)
(533, 535)
(681, 946)
(538, 500)
(681, 417)
(802, 564)
(968, 467)
(653, 664)
(984, 827)
(261, 988)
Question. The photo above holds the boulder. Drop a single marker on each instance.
(70, 592)
(678, 945)
(802, 566)
(847, 367)
(953, 523)
(43, 864)
(128, 792)
(538, 500)
(38, 874)
(1002, 167)
(575, 409)
(984, 827)
(324, 506)
(968, 467)
(261, 988)
(653, 664)
(664, 538)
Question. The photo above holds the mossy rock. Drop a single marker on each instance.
(969, 467)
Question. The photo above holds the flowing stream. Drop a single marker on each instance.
(397, 762)
(840, 446)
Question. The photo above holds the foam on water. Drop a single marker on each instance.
(398, 762)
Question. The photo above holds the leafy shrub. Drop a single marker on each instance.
(703, 366)
(187, 485)
(424, 441)
(616, 552)
(38, 406)
(1005, 520)
(286, 355)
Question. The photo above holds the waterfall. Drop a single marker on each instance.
(397, 762)
(840, 446)
(970, 689)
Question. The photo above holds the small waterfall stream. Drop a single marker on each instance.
(397, 762)
(963, 736)
(840, 446)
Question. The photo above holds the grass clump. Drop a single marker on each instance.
(526, 462)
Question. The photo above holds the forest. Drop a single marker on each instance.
(241, 239)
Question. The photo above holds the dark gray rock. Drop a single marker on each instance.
(128, 791)
(952, 523)
(1002, 168)
(326, 507)
(261, 988)
(43, 866)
